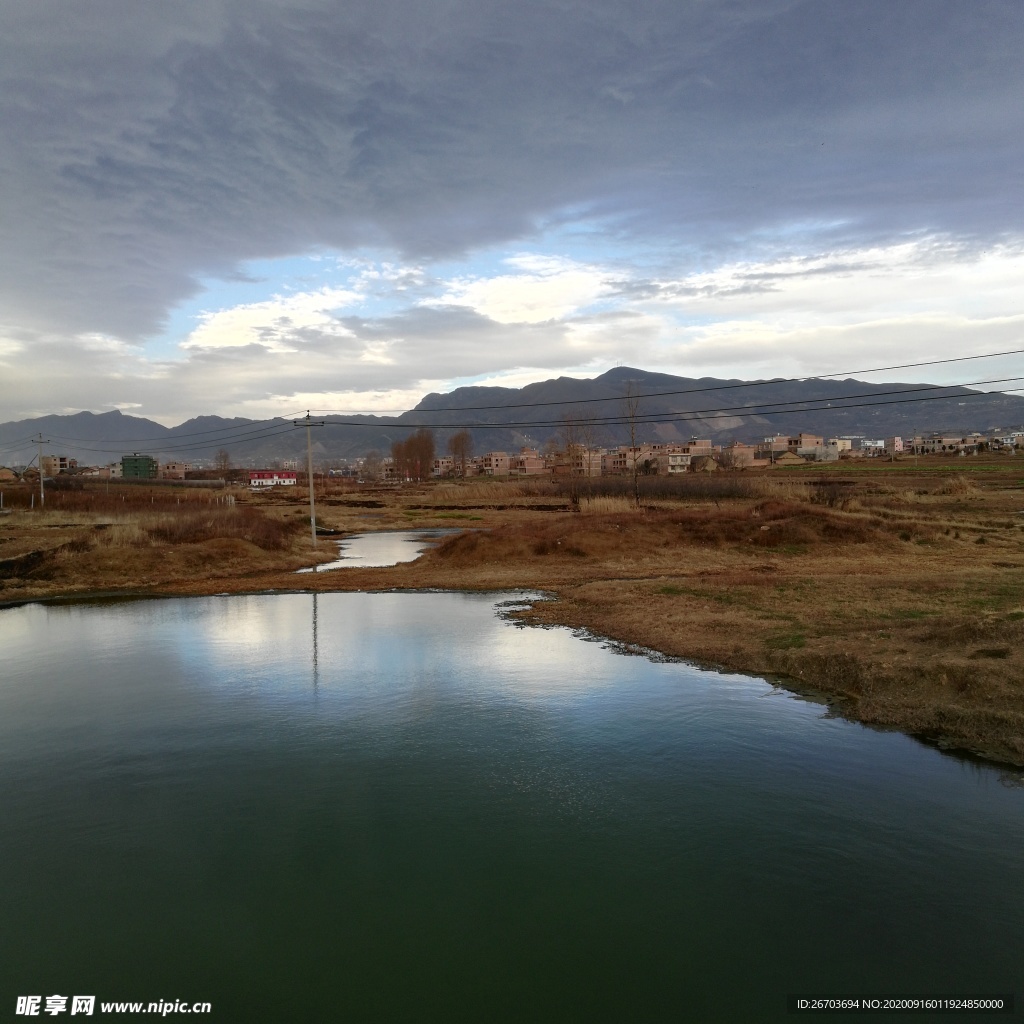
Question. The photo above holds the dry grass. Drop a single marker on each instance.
(897, 594)
(626, 534)
(490, 491)
(58, 550)
(270, 534)
(958, 484)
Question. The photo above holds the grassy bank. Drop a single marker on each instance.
(896, 591)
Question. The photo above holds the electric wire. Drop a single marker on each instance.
(715, 387)
(255, 430)
(744, 411)
(257, 435)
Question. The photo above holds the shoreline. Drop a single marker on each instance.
(551, 610)
(896, 607)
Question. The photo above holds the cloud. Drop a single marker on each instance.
(148, 147)
(767, 349)
(546, 288)
(738, 185)
(323, 349)
(279, 324)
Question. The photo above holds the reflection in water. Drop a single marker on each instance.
(381, 549)
(316, 656)
(466, 820)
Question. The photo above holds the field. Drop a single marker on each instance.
(892, 591)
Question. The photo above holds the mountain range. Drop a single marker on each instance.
(665, 408)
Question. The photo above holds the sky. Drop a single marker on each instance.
(256, 208)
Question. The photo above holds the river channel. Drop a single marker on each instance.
(406, 807)
(387, 547)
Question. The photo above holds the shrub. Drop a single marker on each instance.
(244, 524)
(958, 484)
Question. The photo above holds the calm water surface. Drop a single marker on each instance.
(391, 807)
(388, 547)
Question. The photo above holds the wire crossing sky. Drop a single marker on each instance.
(245, 207)
(241, 432)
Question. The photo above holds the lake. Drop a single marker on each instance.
(403, 806)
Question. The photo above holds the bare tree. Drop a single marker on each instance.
(569, 443)
(222, 461)
(373, 466)
(460, 447)
(588, 434)
(414, 457)
(632, 409)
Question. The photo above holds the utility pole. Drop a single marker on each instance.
(40, 440)
(307, 423)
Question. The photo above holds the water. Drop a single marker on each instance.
(379, 549)
(392, 807)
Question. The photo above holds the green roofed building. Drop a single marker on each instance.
(138, 467)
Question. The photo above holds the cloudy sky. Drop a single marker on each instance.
(253, 208)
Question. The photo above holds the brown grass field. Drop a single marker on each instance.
(894, 592)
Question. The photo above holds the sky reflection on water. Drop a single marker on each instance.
(387, 547)
(404, 806)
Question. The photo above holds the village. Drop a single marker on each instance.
(569, 458)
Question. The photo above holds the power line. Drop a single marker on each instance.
(805, 407)
(254, 435)
(743, 411)
(716, 387)
(250, 431)
(250, 425)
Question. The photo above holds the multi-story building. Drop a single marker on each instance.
(809, 445)
(738, 456)
(527, 463)
(54, 464)
(624, 458)
(492, 464)
(584, 461)
(139, 467)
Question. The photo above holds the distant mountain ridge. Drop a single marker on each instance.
(505, 419)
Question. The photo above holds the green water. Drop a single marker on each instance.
(402, 807)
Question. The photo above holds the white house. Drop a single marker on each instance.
(260, 478)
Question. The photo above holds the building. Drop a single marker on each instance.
(811, 446)
(937, 443)
(527, 463)
(139, 467)
(738, 455)
(624, 459)
(262, 478)
(584, 461)
(671, 459)
(174, 470)
(789, 458)
(54, 464)
(803, 440)
(492, 464)
(670, 463)
(893, 445)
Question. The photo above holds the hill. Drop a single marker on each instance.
(668, 408)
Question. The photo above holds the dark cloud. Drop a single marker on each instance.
(146, 145)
